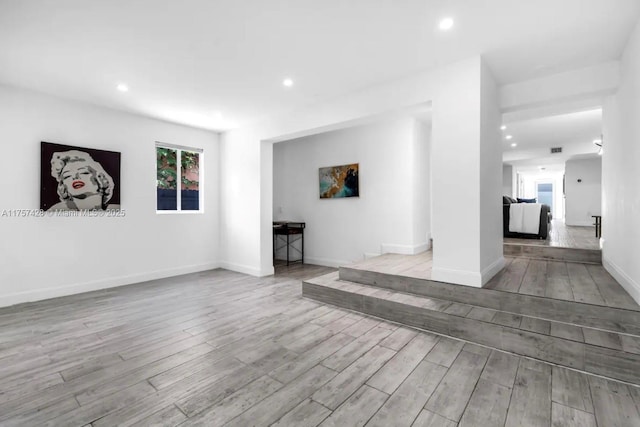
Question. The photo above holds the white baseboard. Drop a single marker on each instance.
(246, 269)
(326, 262)
(468, 278)
(389, 248)
(95, 285)
(492, 270)
(630, 285)
(459, 277)
(368, 255)
(582, 224)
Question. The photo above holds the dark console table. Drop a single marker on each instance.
(285, 234)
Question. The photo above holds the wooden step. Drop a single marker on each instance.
(553, 253)
(620, 320)
(602, 352)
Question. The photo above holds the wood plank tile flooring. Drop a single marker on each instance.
(587, 283)
(564, 236)
(417, 266)
(592, 344)
(569, 281)
(221, 348)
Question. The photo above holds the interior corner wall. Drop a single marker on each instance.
(583, 190)
(266, 205)
(422, 183)
(620, 177)
(455, 158)
(507, 180)
(491, 232)
(242, 182)
(343, 230)
(54, 256)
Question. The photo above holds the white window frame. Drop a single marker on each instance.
(179, 149)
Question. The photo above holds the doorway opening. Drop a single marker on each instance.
(545, 192)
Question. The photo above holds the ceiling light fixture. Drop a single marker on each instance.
(446, 24)
(287, 82)
(514, 145)
(123, 87)
(508, 137)
(503, 127)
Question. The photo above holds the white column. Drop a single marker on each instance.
(467, 177)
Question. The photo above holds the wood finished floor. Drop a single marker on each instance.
(418, 266)
(569, 281)
(586, 283)
(221, 348)
(564, 236)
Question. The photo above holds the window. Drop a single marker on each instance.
(178, 168)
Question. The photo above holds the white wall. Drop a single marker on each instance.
(507, 180)
(382, 219)
(595, 81)
(49, 257)
(245, 192)
(490, 221)
(421, 158)
(620, 175)
(455, 92)
(244, 166)
(584, 198)
(466, 158)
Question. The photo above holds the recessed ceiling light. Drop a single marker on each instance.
(508, 137)
(123, 87)
(514, 145)
(503, 127)
(287, 82)
(446, 24)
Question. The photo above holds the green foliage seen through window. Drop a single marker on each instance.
(167, 170)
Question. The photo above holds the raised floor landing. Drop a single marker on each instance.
(570, 281)
(564, 236)
(570, 314)
(416, 266)
(603, 342)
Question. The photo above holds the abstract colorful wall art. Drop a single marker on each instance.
(339, 181)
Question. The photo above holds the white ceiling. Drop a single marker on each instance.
(574, 132)
(187, 61)
(554, 131)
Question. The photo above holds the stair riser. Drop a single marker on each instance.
(550, 253)
(598, 360)
(613, 319)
